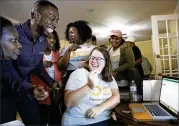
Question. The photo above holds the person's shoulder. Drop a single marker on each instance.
(22, 27)
(136, 47)
(87, 45)
(66, 47)
(18, 26)
(125, 45)
(92, 46)
(80, 72)
(112, 83)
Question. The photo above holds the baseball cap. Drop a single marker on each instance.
(117, 33)
(130, 39)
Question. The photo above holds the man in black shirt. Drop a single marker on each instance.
(138, 60)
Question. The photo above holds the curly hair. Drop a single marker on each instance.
(57, 40)
(83, 28)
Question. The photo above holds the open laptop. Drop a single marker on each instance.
(166, 109)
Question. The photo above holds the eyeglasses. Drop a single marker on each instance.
(97, 58)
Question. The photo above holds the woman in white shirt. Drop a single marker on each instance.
(91, 92)
(77, 52)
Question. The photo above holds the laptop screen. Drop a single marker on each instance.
(169, 94)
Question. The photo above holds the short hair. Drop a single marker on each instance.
(93, 38)
(57, 41)
(83, 28)
(41, 5)
(4, 23)
(107, 70)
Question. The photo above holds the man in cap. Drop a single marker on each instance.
(121, 55)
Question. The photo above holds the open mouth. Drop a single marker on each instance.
(95, 65)
(49, 30)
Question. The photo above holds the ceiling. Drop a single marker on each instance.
(132, 17)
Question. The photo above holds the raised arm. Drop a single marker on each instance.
(65, 56)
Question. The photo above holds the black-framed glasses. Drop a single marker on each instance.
(97, 58)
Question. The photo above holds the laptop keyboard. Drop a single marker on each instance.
(155, 110)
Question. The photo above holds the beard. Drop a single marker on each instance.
(41, 31)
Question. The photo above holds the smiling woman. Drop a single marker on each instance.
(96, 92)
(9, 45)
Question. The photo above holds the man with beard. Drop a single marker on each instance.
(32, 36)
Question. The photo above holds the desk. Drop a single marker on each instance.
(126, 118)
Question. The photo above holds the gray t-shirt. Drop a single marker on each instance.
(76, 115)
(79, 56)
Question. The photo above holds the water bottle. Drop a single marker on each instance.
(133, 92)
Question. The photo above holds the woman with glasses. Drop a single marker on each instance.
(91, 92)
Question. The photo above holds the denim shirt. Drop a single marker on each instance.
(29, 61)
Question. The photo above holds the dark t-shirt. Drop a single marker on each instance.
(138, 55)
